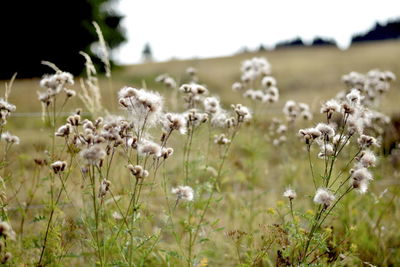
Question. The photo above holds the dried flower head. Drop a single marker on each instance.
(330, 107)
(324, 197)
(365, 141)
(174, 121)
(104, 188)
(149, 148)
(290, 194)
(58, 166)
(183, 193)
(9, 138)
(93, 155)
(326, 130)
(360, 179)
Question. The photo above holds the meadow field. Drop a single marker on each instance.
(201, 183)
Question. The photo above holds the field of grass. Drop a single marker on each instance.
(238, 216)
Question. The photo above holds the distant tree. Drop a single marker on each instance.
(380, 32)
(147, 54)
(261, 48)
(290, 43)
(319, 41)
(55, 31)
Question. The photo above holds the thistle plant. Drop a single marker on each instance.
(346, 128)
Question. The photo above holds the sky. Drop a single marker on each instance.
(208, 28)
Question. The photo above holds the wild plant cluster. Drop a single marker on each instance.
(146, 186)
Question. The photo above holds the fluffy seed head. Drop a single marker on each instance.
(93, 155)
(324, 197)
(59, 166)
(290, 194)
(183, 193)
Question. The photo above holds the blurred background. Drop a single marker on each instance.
(137, 31)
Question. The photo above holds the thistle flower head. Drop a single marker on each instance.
(144, 107)
(367, 159)
(6, 230)
(268, 81)
(149, 148)
(326, 130)
(237, 86)
(243, 113)
(290, 194)
(354, 97)
(326, 150)
(324, 197)
(93, 155)
(221, 139)
(9, 138)
(174, 121)
(365, 141)
(138, 171)
(211, 105)
(104, 188)
(330, 107)
(360, 179)
(58, 166)
(195, 118)
(309, 135)
(183, 193)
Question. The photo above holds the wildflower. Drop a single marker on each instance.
(291, 110)
(326, 150)
(93, 155)
(149, 148)
(211, 105)
(6, 258)
(360, 179)
(340, 140)
(195, 118)
(6, 230)
(9, 138)
(290, 194)
(367, 158)
(354, 97)
(138, 171)
(330, 107)
(309, 135)
(324, 197)
(191, 71)
(74, 120)
(166, 152)
(281, 129)
(242, 112)
(365, 141)
(59, 166)
(326, 130)
(63, 131)
(70, 93)
(221, 139)
(104, 188)
(143, 106)
(237, 86)
(183, 192)
(173, 121)
(169, 82)
(268, 82)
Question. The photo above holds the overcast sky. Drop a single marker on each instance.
(208, 28)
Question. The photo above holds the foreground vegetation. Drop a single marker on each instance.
(186, 179)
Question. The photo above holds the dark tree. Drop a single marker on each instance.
(380, 32)
(319, 41)
(52, 30)
(290, 43)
